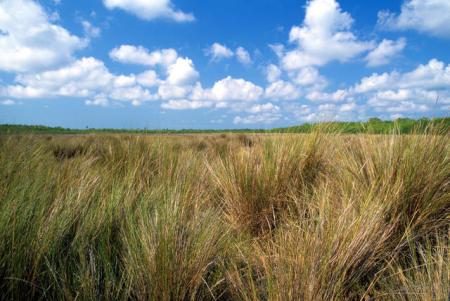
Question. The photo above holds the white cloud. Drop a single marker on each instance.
(390, 95)
(7, 102)
(333, 112)
(85, 78)
(338, 95)
(218, 51)
(243, 56)
(20, 92)
(139, 55)
(267, 107)
(150, 9)
(403, 107)
(298, 110)
(265, 118)
(348, 107)
(90, 30)
(404, 100)
(226, 93)
(433, 75)
(235, 89)
(327, 107)
(148, 78)
(282, 90)
(375, 81)
(278, 49)
(184, 104)
(124, 81)
(308, 76)
(259, 113)
(167, 91)
(413, 93)
(181, 72)
(80, 79)
(426, 16)
(99, 101)
(273, 73)
(134, 94)
(384, 52)
(29, 41)
(325, 36)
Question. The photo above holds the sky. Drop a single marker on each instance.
(174, 64)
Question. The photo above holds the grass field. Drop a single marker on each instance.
(317, 216)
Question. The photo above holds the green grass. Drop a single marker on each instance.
(317, 216)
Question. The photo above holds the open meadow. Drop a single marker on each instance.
(316, 216)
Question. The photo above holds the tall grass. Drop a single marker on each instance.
(225, 217)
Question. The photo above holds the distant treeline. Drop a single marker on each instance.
(373, 125)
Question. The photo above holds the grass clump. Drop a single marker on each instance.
(257, 185)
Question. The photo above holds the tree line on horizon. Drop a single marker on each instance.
(372, 125)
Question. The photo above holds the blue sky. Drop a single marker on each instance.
(221, 64)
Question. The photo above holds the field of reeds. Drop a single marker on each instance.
(316, 216)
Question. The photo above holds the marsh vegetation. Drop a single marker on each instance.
(315, 216)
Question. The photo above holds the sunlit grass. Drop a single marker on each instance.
(225, 217)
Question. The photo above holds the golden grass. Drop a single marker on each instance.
(225, 217)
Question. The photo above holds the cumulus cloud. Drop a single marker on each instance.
(218, 51)
(402, 100)
(384, 52)
(267, 107)
(77, 79)
(308, 76)
(229, 89)
(228, 93)
(336, 96)
(433, 75)
(412, 93)
(260, 113)
(273, 73)
(29, 41)
(426, 16)
(150, 9)
(139, 55)
(85, 78)
(167, 91)
(148, 78)
(282, 90)
(181, 72)
(324, 36)
(243, 56)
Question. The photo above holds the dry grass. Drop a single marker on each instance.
(225, 217)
